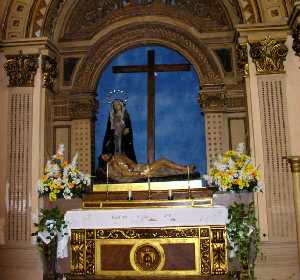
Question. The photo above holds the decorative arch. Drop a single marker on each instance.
(203, 59)
(43, 17)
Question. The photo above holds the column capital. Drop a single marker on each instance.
(212, 98)
(294, 162)
(49, 71)
(21, 69)
(268, 55)
(242, 59)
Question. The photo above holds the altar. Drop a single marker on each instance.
(182, 236)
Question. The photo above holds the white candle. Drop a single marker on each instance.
(129, 194)
(107, 173)
(170, 194)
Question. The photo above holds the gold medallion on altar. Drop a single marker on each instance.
(147, 257)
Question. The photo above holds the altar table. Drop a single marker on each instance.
(154, 242)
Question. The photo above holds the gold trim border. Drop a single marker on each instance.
(152, 242)
(199, 202)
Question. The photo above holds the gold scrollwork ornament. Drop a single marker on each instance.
(49, 70)
(268, 56)
(21, 69)
(242, 59)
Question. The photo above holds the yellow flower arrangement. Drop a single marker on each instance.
(61, 179)
(234, 172)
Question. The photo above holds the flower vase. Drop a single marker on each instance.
(228, 198)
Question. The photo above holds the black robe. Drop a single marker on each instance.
(127, 147)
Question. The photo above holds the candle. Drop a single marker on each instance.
(170, 194)
(189, 188)
(107, 173)
(129, 194)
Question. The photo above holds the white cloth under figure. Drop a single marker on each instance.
(140, 218)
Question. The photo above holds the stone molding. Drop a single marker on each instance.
(87, 17)
(268, 55)
(83, 109)
(206, 65)
(21, 69)
(73, 106)
(212, 98)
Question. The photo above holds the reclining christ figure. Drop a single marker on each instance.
(122, 169)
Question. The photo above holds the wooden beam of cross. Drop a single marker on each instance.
(151, 68)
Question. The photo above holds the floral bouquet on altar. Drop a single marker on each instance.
(235, 172)
(62, 179)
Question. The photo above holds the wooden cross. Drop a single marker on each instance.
(150, 69)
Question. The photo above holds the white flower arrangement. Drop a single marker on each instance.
(235, 172)
(62, 179)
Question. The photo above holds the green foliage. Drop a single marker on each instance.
(243, 234)
(52, 222)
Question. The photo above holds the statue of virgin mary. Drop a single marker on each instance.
(118, 137)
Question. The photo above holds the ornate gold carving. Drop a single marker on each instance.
(296, 41)
(219, 257)
(115, 42)
(205, 251)
(90, 234)
(147, 257)
(49, 70)
(146, 234)
(21, 69)
(204, 232)
(78, 252)
(242, 59)
(90, 257)
(205, 256)
(294, 161)
(268, 56)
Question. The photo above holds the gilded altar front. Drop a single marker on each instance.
(172, 251)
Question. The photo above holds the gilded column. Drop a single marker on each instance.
(295, 167)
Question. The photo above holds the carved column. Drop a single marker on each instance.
(212, 102)
(268, 56)
(21, 70)
(295, 167)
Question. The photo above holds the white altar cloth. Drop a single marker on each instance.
(140, 218)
